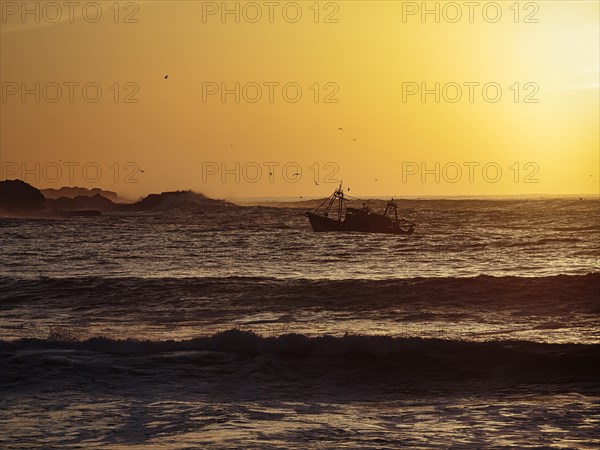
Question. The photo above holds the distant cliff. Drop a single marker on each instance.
(72, 192)
(18, 196)
(81, 202)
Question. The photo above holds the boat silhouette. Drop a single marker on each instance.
(356, 219)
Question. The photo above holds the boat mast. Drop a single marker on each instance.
(340, 193)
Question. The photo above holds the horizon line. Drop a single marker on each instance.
(296, 198)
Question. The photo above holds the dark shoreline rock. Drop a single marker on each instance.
(18, 196)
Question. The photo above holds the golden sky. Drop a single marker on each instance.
(360, 66)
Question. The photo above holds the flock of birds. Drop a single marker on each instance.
(297, 173)
(340, 129)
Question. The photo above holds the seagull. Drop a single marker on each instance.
(376, 180)
(348, 188)
(354, 139)
(295, 174)
(142, 170)
(166, 77)
(340, 129)
(271, 174)
(316, 183)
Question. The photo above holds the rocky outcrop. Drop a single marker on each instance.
(180, 200)
(18, 196)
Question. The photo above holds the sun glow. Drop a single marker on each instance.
(353, 73)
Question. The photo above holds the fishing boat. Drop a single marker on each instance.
(332, 215)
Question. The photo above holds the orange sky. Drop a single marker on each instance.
(363, 57)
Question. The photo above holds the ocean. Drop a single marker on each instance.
(224, 326)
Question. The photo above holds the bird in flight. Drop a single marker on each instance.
(142, 170)
(340, 129)
(166, 77)
(316, 183)
(376, 180)
(354, 139)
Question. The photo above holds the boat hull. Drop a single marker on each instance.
(320, 223)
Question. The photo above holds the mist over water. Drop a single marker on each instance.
(241, 327)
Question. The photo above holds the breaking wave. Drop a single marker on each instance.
(248, 343)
